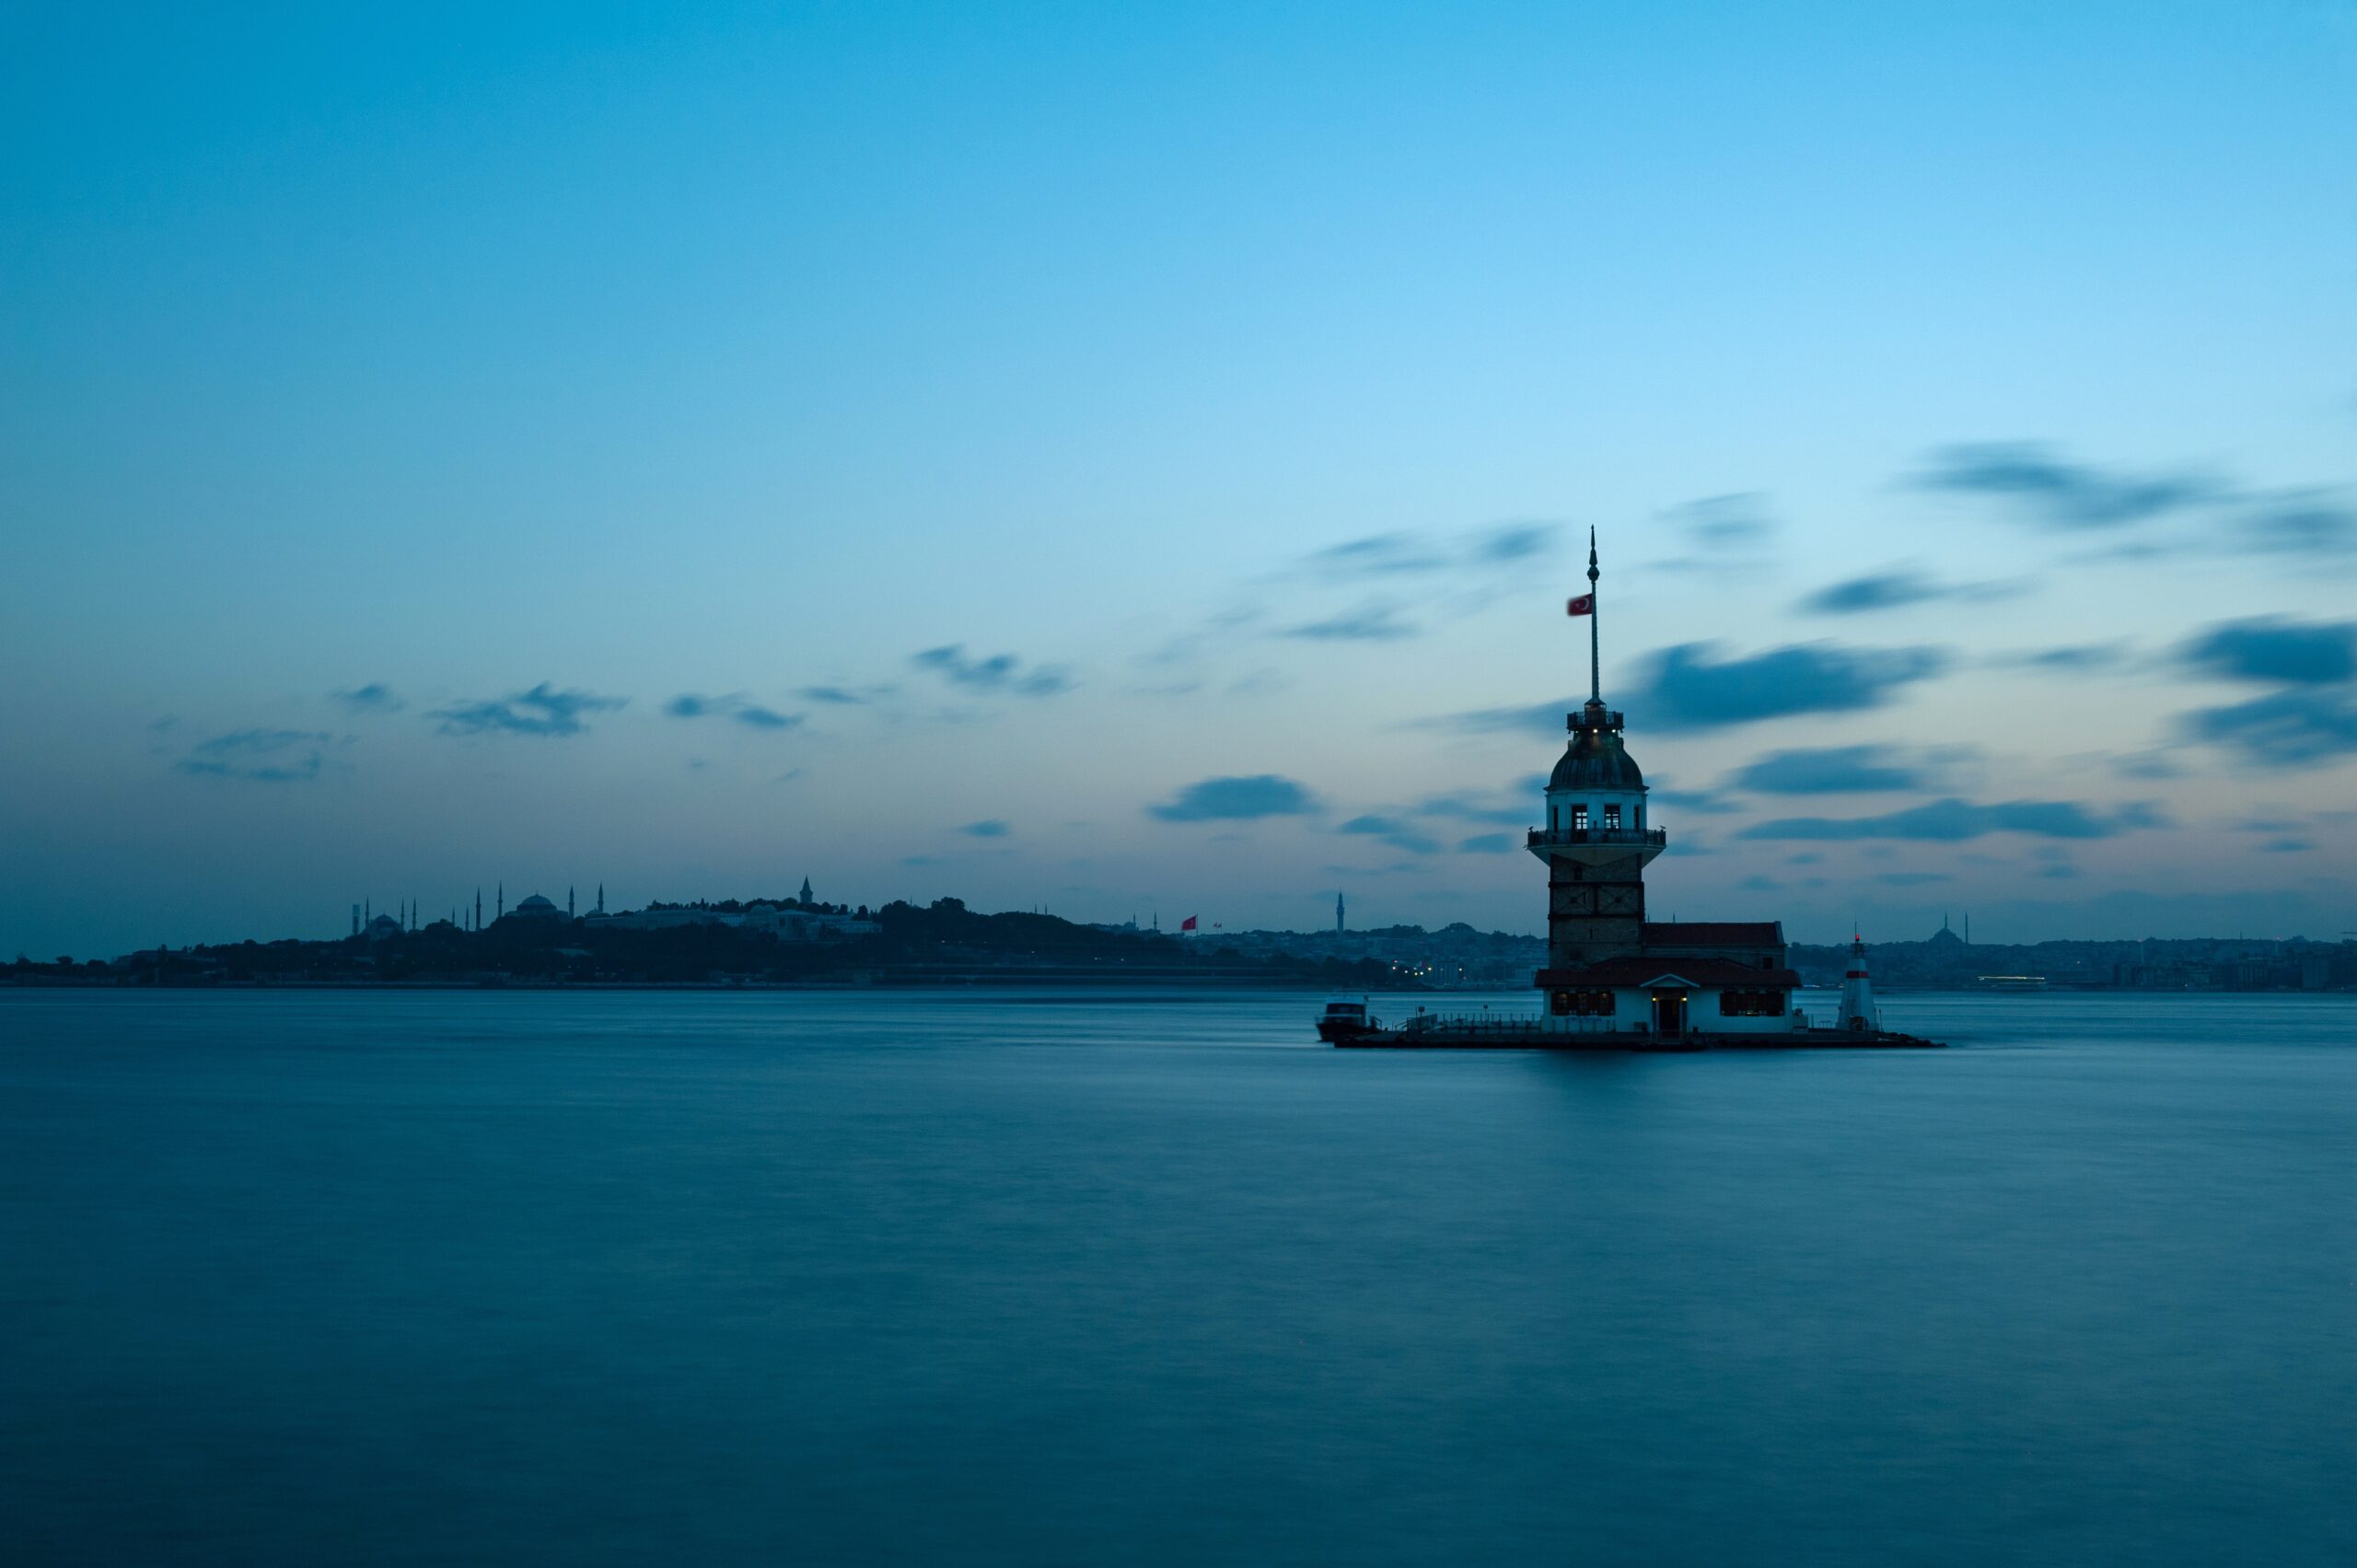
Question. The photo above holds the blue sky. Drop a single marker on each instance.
(1131, 460)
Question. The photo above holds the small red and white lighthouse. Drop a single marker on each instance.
(1858, 1012)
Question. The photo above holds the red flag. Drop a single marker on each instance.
(1187, 924)
(1583, 605)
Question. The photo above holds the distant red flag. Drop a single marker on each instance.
(1187, 924)
(1583, 605)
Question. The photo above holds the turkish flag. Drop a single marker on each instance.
(1583, 605)
(1187, 924)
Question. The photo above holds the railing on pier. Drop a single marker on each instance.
(1499, 1024)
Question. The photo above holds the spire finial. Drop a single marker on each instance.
(1595, 646)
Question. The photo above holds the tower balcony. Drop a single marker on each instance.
(1596, 846)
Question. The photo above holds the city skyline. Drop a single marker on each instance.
(1112, 465)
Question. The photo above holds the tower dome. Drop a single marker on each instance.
(1596, 759)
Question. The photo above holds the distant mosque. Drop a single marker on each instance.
(800, 919)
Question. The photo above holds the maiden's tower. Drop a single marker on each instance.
(1615, 980)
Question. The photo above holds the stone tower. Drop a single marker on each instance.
(1595, 842)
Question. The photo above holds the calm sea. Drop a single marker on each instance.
(353, 1278)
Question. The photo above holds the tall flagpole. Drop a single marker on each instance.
(1594, 665)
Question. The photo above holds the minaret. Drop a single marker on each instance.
(478, 906)
(1595, 842)
(502, 913)
(601, 897)
(568, 904)
(1338, 914)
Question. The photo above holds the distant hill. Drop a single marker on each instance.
(941, 943)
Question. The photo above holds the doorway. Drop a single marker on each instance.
(1669, 1012)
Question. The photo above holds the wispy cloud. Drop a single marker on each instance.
(1897, 590)
(990, 829)
(1530, 717)
(1393, 832)
(1515, 806)
(2269, 648)
(543, 711)
(2313, 522)
(1238, 799)
(1951, 820)
(2295, 728)
(1399, 583)
(2049, 488)
(1703, 803)
(752, 715)
(1000, 672)
(1738, 518)
(1686, 687)
(2146, 765)
(262, 756)
(1369, 623)
(2043, 487)
(373, 698)
(1836, 770)
(2080, 659)
(1417, 554)
(1720, 534)
(843, 696)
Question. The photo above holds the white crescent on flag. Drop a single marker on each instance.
(1583, 605)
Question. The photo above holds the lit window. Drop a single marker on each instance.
(1612, 816)
(1579, 816)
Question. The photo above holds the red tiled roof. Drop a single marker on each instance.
(1714, 933)
(1645, 968)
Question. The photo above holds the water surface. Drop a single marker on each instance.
(943, 1278)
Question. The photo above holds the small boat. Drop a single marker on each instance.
(1346, 1020)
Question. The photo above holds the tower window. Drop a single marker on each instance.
(1612, 816)
(1579, 816)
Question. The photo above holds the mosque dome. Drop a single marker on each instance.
(535, 905)
(1595, 758)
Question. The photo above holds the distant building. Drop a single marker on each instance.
(383, 928)
(668, 918)
(536, 908)
(790, 925)
(787, 922)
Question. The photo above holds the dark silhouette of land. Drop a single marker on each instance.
(940, 943)
(945, 943)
